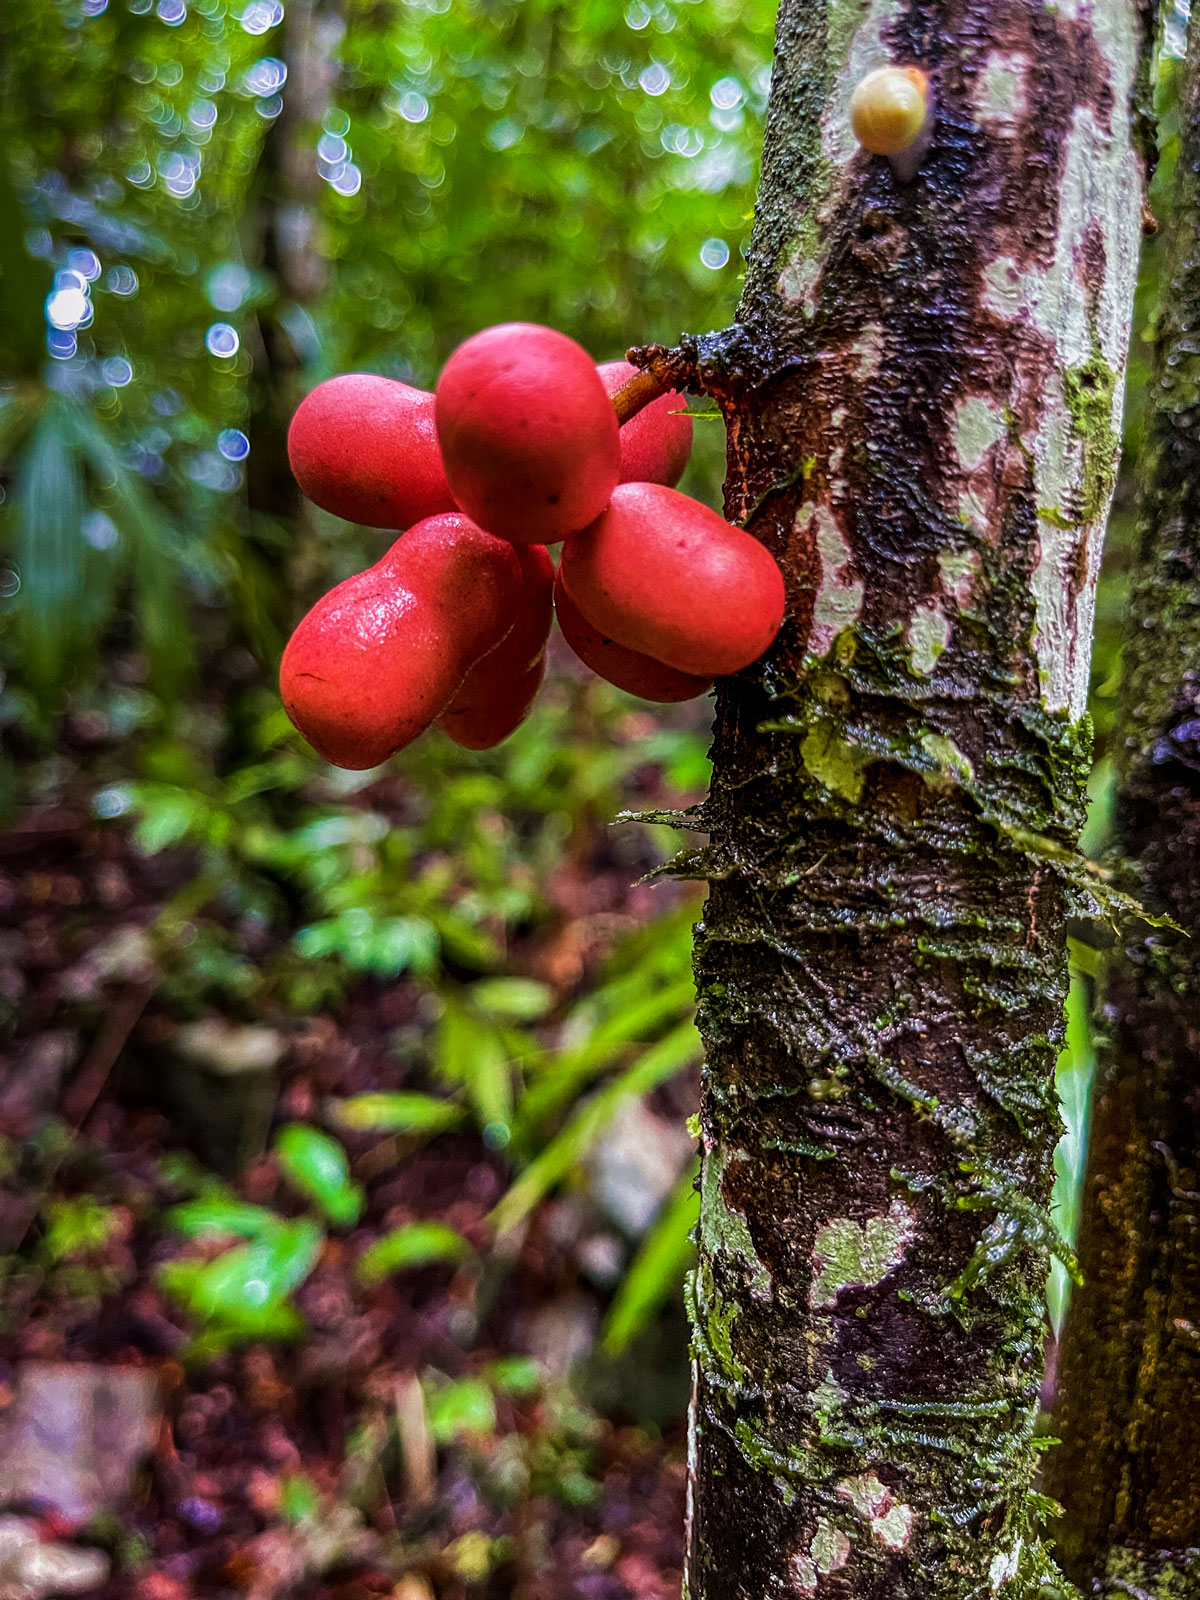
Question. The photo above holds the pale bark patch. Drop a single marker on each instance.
(1000, 95)
(840, 596)
(889, 1519)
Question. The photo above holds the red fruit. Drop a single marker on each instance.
(657, 441)
(663, 575)
(528, 434)
(382, 655)
(498, 692)
(627, 669)
(366, 449)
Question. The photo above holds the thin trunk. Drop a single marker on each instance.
(922, 396)
(1129, 1468)
(286, 243)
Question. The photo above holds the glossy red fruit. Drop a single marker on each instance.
(366, 449)
(381, 656)
(498, 693)
(657, 441)
(627, 669)
(662, 574)
(528, 434)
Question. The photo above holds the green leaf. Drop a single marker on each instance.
(637, 1015)
(657, 1270)
(246, 1288)
(299, 1497)
(397, 1111)
(474, 1053)
(166, 814)
(459, 1409)
(567, 1149)
(519, 1376)
(50, 552)
(81, 1225)
(518, 999)
(316, 1164)
(417, 1244)
(220, 1215)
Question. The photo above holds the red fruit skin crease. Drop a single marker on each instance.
(663, 575)
(366, 448)
(656, 443)
(529, 439)
(625, 669)
(378, 659)
(498, 693)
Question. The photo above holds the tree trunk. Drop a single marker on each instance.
(1129, 1468)
(286, 243)
(922, 397)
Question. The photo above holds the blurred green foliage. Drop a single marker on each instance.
(208, 208)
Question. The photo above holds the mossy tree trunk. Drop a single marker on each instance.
(922, 398)
(1129, 1468)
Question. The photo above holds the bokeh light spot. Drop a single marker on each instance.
(117, 371)
(100, 531)
(122, 280)
(233, 444)
(228, 286)
(85, 262)
(654, 79)
(111, 802)
(222, 340)
(348, 181)
(265, 77)
(504, 134)
(726, 93)
(67, 308)
(261, 15)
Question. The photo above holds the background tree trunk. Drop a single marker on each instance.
(922, 396)
(1129, 1468)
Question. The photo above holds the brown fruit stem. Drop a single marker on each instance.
(640, 391)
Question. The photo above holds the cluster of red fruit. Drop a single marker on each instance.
(519, 448)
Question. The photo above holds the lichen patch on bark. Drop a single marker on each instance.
(847, 1254)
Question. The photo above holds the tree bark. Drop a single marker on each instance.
(922, 398)
(1128, 1471)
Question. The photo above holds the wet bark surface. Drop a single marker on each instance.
(1129, 1468)
(922, 397)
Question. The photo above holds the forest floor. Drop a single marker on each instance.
(309, 1468)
